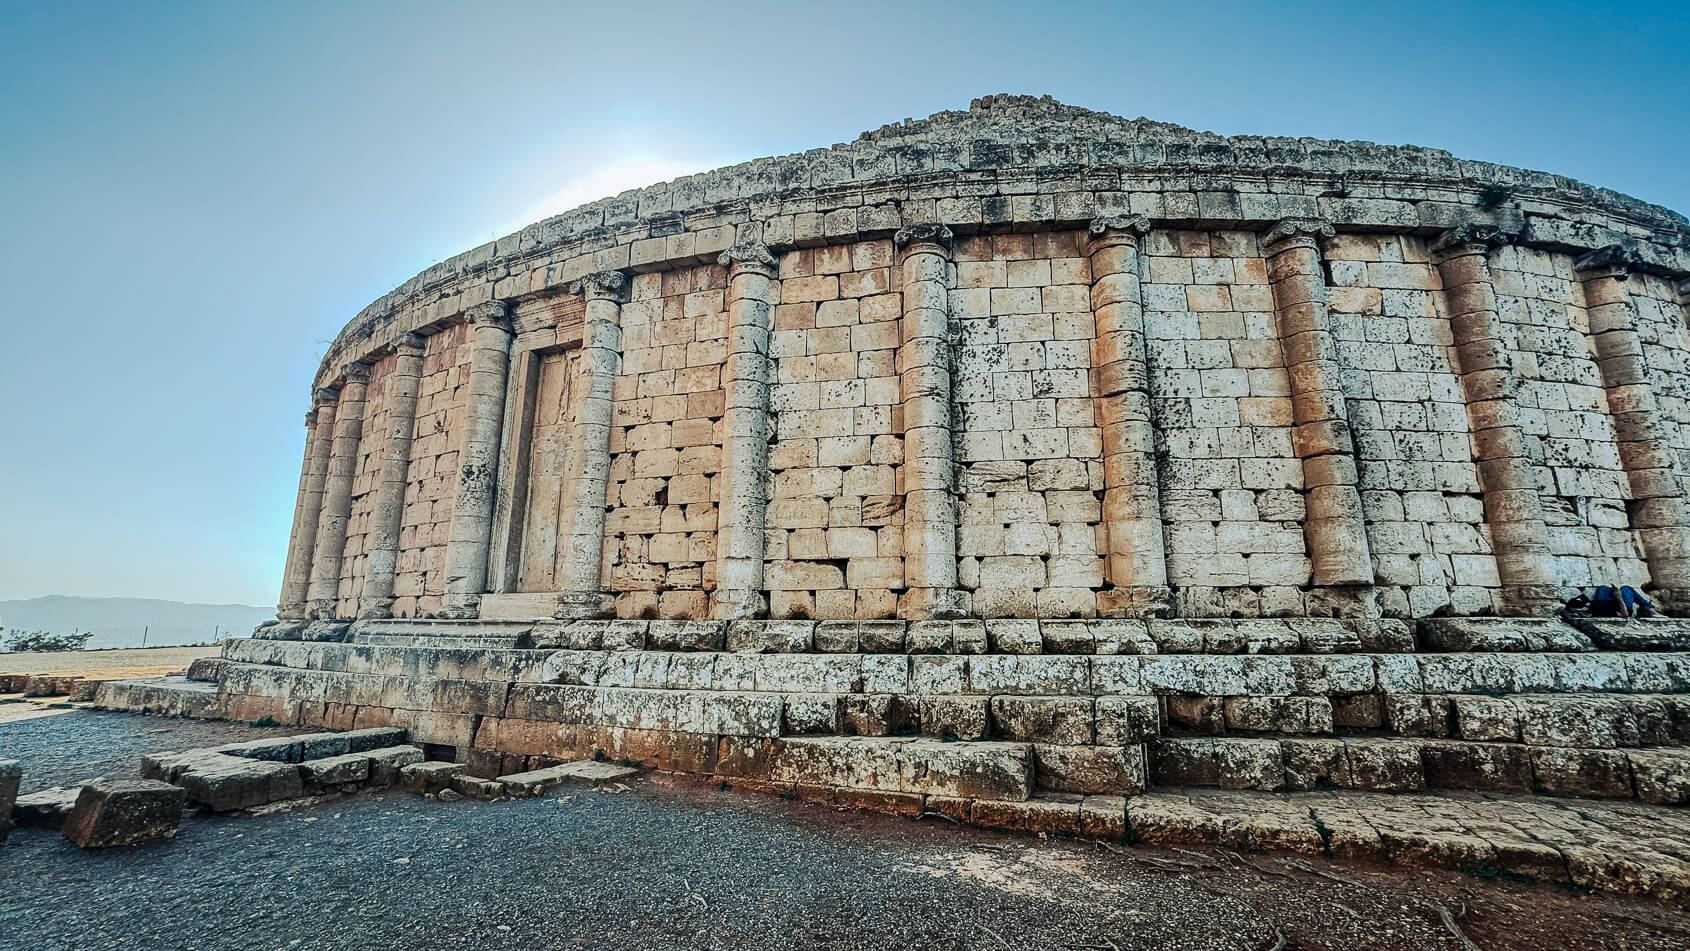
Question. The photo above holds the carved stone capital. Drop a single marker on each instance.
(356, 372)
(310, 417)
(1614, 260)
(411, 345)
(1468, 238)
(1135, 225)
(749, 255)
(601, 285)
(326, 396)
(1296, 232)
(495, 312)
(924, 233)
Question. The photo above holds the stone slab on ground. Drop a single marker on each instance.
(429, 777)
(536, 781)
(386, 763)
(48, 808)
(124, 812)
(335, 770)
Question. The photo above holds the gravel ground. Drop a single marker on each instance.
(666, 864)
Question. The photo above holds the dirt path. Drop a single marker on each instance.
(153, 660)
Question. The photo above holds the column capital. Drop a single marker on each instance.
(1614, 260)
(923, 233)
(601, 285)
(1290, 233)
(495, 312)
(410, 345)
(311, 417)
(1468, 238)
(356, 372)
(325, 396)
(749, 256)
(1136, 225)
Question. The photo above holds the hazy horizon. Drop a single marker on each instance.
(201, 195)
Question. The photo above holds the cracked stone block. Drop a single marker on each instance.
(124, 812)
(1124, 721)
(1118, 770)
(1315, 764)
(881, 637)
(803, 713)
(878, 715)
(1662, 776)
(1011, 636)
(771, 637)
(686, 635)
(1058, 720)
(1279, 714)
(1197, 714)
(836, 637)
(223, 783)
(1416, 714)
(1121, 636)
(928, 637)
(1487, 718)
(1588, 722)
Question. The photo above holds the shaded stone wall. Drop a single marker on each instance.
(432, 474)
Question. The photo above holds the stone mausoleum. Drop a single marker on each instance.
(1135, 455)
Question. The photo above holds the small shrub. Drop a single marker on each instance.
(44, 641)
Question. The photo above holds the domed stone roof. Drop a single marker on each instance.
(1010, 159)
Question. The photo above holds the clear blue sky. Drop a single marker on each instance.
(194, 198)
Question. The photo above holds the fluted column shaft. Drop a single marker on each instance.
(387, 516)
(1333, 526)
(745, 432)
(1659, 512)
(930, 530)
(308, 505)
(324, 590)
(587, 481)
(1135, 558)
(1513, 510)
(470, 536)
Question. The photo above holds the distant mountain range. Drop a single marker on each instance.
(121, 622)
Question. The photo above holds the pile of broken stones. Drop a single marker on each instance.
(247, 776)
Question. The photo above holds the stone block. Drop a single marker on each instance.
(686, 635)
(1058, 720)
(809, 713)
(1011, 636)
(387, 763)
(963, 718)
(1385, 765)
(124, 812)
(47, 808)
(1118, 770)
(474, 787)
(1638, 634)
(430, 777)
(1047, 816)
(1488, 766)
(322, 745)
(1315, 764)
(1104, 818)
(837, 637)
(1279, 714)
(1126, 721)
(1499, 635)
(332, 771)
(1196, 714)
(878, 715)
(1120, 636)
(223, 783)
(1226, 762)
(1569, 772)
(373, 738)
(770, 637)
(971, 770)
(280, 749)
(1661, 776)
(535, 782)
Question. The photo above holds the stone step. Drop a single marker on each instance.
(435, 662)
(168, 696)
(898, 765)
(1637, 634)
(1660, 776)
(1499, 634)
(535, 781)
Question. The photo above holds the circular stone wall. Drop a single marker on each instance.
(1026, 360)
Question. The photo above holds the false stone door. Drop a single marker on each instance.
(547, 462)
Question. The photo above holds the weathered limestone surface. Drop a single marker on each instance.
(124, 812)
(11, 775)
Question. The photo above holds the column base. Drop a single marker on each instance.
(739, 605)
(1530, 600)
(1136, 601)
(461, 608)
(290, 612)
(934, 604)
(584, 605)
(376, 609)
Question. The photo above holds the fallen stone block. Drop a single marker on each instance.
(124, 812)
(223, 783)
(333, 771)
(386, 763)
(47, 808)
(429, 777)
(474, 787)
(11, 776)
(536, 781)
